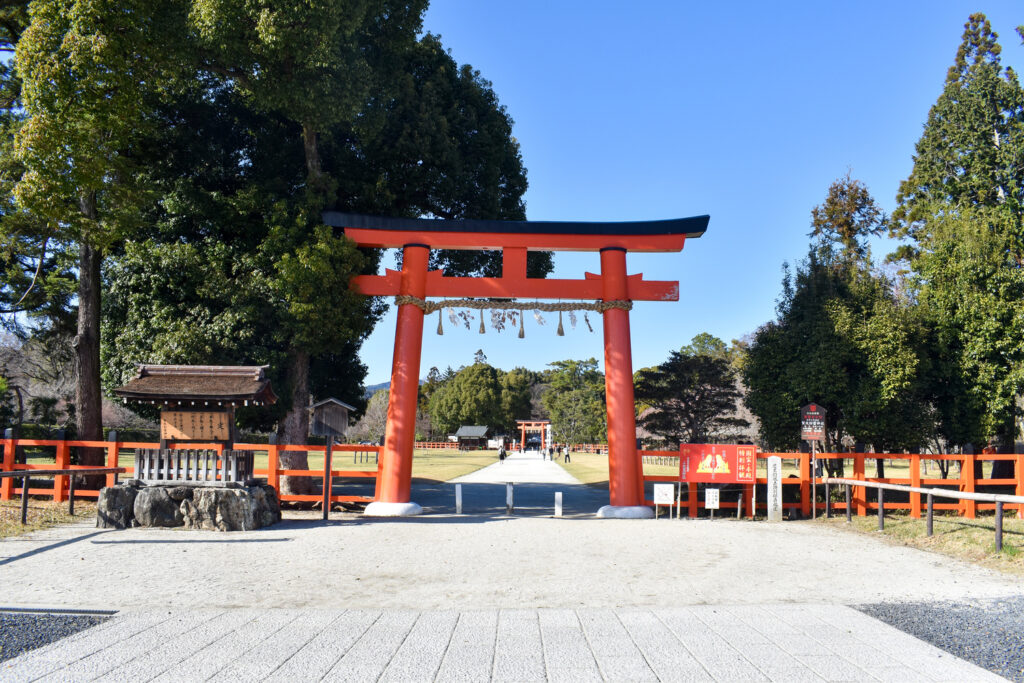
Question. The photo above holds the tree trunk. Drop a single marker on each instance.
(294, 428)
(314, 169)
(88, 400)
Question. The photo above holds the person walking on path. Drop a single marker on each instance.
(565, 452)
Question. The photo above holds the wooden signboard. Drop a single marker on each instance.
(812, 422)
(194, 425)
(717, 463)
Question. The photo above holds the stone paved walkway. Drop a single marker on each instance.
(526, 468)
(700, 643)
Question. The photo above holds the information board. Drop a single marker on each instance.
(812, 422)
(664, 494)
(711, 499)
(182, 425)
(774, 489)
(717, 463)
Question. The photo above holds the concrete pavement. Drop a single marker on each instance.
(699, 643)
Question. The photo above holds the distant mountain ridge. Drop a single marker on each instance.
(374, 388)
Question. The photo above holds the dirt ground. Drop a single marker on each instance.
(477, 561)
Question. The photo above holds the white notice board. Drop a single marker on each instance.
(664, 494)
(711, 499)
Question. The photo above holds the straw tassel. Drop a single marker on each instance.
(440, 327)
(522, 332)
(482, 331)
(561, 330)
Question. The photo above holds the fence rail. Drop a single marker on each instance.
(115, 450)
(797, 488)
(998, 499)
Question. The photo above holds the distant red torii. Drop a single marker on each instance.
(416, 237)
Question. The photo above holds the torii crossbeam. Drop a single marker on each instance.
(416, 237)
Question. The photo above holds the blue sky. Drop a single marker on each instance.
(746, 111)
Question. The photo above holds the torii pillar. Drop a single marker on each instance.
(514, 238)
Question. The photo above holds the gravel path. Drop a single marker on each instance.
(20, 633)
(989, 633)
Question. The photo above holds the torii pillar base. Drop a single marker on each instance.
(382, 509)
(625, 512)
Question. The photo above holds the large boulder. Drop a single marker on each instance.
(155, 507)
(115, 508)
(234, 509)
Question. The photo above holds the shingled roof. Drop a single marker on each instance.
(199, 385)
(472, 431)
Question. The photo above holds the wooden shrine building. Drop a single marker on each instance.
(197, 402)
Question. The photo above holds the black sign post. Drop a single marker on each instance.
(812, 430)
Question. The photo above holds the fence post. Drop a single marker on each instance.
(1020, 482)
(805, 484)
(970, 507)
(272, 464)
(915, 481)
(931, 513)
(748, 494)
(63, 461)
(7, 484)
(380, 469)
(999, 526)
(881, 509)
(328, 478)
(691, 500)
(861, 495)
(113, 448)
(828, 502)
(849, 511)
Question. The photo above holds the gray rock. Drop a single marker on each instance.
(231, 509)
(155, 507)
(134, 483)
(115, 508)
(180, 493)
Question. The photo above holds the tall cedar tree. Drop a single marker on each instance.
(962, 207)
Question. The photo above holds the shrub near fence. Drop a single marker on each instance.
(797, 489)
(115, 450)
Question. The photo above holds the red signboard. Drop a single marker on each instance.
(717, 463)
(812, 422)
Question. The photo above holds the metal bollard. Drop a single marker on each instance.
(931, 508)
(999, 526)
(881, 509)
(558, 503)
(458, 499)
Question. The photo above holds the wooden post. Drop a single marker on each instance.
(805, 484)
(7, 485)
(999, 526)
(849, 510)
(860, 496)
(881, 508)
(915, 481)
(112, 454)
(328, 479)
(63, 461)
(71, 495)
(272, 464)
(970, 507)
(828, 502)
(691, 500)
(1020, 483)
(931, 513)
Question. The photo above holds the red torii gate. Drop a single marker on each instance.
(416, 237)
